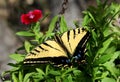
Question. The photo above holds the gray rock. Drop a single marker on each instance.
(8, 44)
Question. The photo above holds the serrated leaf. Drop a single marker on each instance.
(25, 33)
(17, 57)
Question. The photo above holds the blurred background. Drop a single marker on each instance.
(10, 11)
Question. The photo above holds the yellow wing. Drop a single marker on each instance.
(57, 51)
(72, 38)
(49, 49)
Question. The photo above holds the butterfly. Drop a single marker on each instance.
(62, 50)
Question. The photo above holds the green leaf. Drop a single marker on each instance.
(86, 20)
(49, 80)
(105, 74)
(70, 78)
(95, 37)
(16, 67)
(107, 55)
(55, 72)
(27, 46)
(103, 59)
(14, 77)
(76, 72)
(63, 25)
(25, 33)
(38, 34)
(108, 80)
(7, 81)
(92, 17)
(40, 71)
(20, 76)
(110, 50)
(105, 46)
(67, 78)
(115, 55)
(27, 77)
(57, 78)
(17, 57)
(38, 77)
(47, 69)
(68, 71)
(52, 24)
(110, 66)
(38, 37)
(36, 28)
(13, 65)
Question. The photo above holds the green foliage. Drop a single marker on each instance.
(103, 45)
(25, 33)
(103, 48)
(17, 57)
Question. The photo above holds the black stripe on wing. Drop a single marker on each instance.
(79, 31)
(68, 36)
(51, 46)
(42, 48)
(32, 53)
(36, 50)
(74, 32)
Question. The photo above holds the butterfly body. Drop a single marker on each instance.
(65, 49)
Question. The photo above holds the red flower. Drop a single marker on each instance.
(30, 17)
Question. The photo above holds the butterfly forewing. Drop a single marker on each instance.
(72, 38)
(48, 50)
